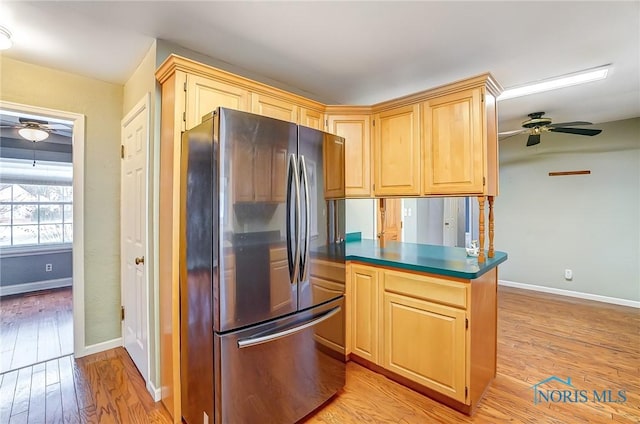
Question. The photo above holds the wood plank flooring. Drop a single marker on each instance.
(35, 327)
(539, 335)
(101, 388)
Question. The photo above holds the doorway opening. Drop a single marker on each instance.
(41, 228)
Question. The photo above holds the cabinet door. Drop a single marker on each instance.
(356, 130)
(333, 164)
(364, 312)
(274, 108)
(397, 152)
(425, 342)
(312, 118)
(205, 95)
(453, 144)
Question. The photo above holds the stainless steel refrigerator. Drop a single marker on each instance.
(262, 338)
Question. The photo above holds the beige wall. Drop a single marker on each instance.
(587, 223)
(101, 103)
(141, 82)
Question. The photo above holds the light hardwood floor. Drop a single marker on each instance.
(35, 327)
(539, 335)
(101, 388)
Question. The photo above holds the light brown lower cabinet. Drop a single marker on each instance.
(435, 334)
(425, 342)
(364, 303)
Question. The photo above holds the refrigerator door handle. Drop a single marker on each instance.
(293, 253)
(307, 208)
(249, 342)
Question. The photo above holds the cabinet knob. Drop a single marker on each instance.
(140, 260)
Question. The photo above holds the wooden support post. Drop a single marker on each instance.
(491, 251)
(382, 222)
(481, 257)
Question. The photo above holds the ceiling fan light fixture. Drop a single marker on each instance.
(33, 134)
(5, 38)
(581, 77)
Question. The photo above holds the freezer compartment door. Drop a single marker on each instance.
(280, 371)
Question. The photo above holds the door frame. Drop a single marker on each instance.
(142, 106)
(78, 142)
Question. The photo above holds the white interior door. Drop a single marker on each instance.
(450, 222)
(133, 218)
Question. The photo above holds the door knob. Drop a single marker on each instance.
(139, 260)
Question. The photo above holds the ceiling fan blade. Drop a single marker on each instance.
(570, 124)
(579, 131)
(57, 127)
(533, 140)
(507, 133)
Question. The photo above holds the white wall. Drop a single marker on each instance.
(361, 217)
(410, 223)
(430, 220)
(587, 223)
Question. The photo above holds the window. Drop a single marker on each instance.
(33, 211)
(35, 214)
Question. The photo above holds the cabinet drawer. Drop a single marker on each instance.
(425, 287)
(334, 271)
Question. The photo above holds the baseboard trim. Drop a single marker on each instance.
(99, 347)
(35, 286)
(155, 393)
(570, 293)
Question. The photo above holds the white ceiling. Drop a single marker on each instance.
(358, 52)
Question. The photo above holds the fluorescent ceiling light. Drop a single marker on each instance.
(33, 133)
(576, 78)
(5, 38)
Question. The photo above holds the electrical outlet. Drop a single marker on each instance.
(48, 267)
(568, 274)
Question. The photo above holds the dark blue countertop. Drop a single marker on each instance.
(440, 260)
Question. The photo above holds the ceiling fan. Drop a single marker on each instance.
(537, 124)
(37, 130)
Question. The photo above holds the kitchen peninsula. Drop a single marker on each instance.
(425, 316)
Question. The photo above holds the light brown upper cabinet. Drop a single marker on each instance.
(204, 95)
(397, 152)
(356, 130)
(460, 146)
(452, 133)
(311, 118)
(333, 159)
(273, 107)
